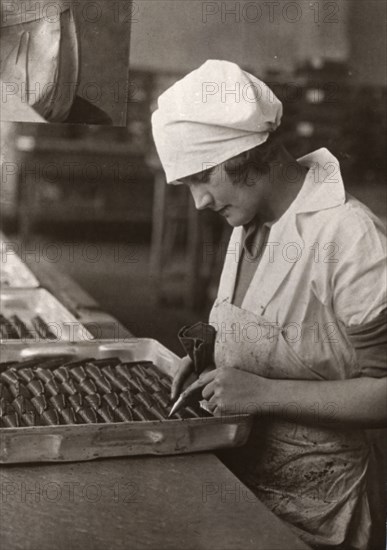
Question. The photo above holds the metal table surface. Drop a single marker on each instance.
(191, 502)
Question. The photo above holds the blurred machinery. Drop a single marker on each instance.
(74, 174)
(322, 108)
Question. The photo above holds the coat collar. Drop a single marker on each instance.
(323, 188)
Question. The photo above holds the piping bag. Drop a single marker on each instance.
(198, 342)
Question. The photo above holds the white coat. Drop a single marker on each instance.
(321, 272)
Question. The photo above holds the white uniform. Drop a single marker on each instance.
(323, 271)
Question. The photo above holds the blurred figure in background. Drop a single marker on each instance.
(39, 59)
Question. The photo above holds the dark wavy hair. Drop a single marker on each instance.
(238, 167)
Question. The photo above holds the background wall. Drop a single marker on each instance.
(368, 46)
(178, 35)
(255, 33)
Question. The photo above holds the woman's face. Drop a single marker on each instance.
(236, 200)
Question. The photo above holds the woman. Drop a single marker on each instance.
(301, 307)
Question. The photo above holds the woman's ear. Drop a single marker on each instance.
(245, 156)
(270, 149)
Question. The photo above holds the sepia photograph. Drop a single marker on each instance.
(193, 275)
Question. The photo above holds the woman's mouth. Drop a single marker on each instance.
(223, 211)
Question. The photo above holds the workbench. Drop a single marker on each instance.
(170, 502)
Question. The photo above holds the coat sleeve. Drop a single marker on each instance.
(358, 286)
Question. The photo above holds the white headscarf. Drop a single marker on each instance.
(213, 114)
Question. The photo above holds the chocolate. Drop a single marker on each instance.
(78, 373)
(10, 377)
(98, 377)
(117, 380)
(137, 369)
(193, 413)
(11, 420)
(144, 364)
(28, 418)
(44, 374)
(42, 328)
(158, 411)
(4, 392)
(123, 413)
(58, 402)
(27, 374)
(179, 415)
(153, 385)
(52, 387)
(106, 414)
(21, 328)
(36, 387)
(124, 371)
(92, 370)
(165, 383)
(103, 384)
(136, 384)
(8, 330)
(88, 415)
(68, 416)
(145, 400)
(93, 400)
(5, 407)
(50, 417)
(112, 400)
(127, 398)
(22, 405)
(40, 403)
(19, 389)
(68, 387)
(141, 413)
(62, 374)
(88, 386)
(76, 401)
(19, 404)
(161, 398)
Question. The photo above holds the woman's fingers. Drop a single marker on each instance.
(200, 383)
(208, 390)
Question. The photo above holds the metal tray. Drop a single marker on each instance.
(92, 441)
(15, 274)
(28, 303)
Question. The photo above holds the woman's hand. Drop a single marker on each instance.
(233, 391)
(185, 376)
(358, 402)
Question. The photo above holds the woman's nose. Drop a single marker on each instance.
(203, 199)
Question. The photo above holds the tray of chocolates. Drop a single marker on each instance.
(13, 271)
(15, 274)
(100, 399)
(35, 315)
